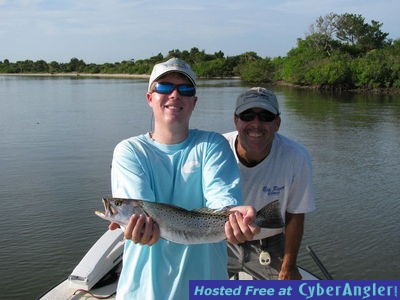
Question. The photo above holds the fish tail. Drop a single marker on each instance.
(270, 216)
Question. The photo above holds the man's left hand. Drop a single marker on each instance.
(240, 227)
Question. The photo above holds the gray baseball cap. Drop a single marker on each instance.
(172, 65)
(257, 97)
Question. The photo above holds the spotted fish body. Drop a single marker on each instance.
(183, 226)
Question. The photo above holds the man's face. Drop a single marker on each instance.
(172, 108)
(256, 136)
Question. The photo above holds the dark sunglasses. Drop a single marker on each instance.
(263, 116)
(167, 88)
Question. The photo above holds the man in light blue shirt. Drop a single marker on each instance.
(180, 166)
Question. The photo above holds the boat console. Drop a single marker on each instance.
(104, 256)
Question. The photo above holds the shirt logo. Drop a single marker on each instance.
(190, 167)
(273, 191)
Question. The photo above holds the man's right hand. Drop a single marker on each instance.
(140, 229)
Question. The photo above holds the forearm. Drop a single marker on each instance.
(293, 235)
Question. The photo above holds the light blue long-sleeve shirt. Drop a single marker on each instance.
(199, 172)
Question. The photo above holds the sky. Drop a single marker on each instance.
(100, 31)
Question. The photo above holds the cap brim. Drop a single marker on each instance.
(177, 71)
(261, 105)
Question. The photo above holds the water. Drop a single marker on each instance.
(56, 141)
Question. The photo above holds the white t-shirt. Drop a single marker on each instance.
(284, 175)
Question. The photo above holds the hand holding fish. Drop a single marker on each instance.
(140, 229)
(241, 227)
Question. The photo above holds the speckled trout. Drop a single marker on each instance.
(183, 226)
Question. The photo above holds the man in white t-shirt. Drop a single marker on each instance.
(272, 167)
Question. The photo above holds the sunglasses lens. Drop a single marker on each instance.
(164, 88)
(167, 88)
(266, 117)
(186, 90)
(247, 116)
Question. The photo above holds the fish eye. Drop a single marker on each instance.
(118, 202)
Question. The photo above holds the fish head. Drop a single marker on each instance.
(119, 210)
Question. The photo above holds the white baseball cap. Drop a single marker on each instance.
(172, 65)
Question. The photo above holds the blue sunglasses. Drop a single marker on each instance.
(167, 88)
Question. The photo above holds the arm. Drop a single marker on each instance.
(127, 178)
(302, 195)
(293, 235)
(222, 189)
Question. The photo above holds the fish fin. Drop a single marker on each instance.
(270, 216)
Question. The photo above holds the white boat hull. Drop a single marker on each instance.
(96, 275)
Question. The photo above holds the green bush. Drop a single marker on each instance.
(261, 70)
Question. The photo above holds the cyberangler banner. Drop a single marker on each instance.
(294, 289)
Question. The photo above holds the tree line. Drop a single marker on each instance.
(339, 51)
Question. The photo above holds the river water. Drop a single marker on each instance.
(56, 141)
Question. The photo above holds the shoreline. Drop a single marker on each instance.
(383, 91)
(77, 74)
(322, 88)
